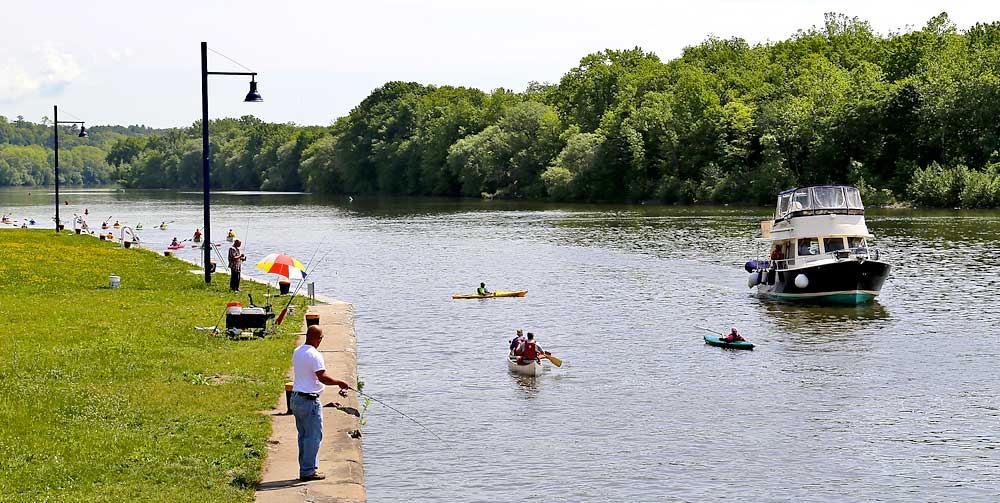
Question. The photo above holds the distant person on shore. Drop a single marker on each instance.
(310, 376)
(482, 289)
(236, 258)
(734, 335)
(528, 350)
(516, 341)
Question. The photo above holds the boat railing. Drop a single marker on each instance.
(860, 253)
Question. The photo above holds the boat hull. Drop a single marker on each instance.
(519, 293)
(841, 282)
(532, 369)
(717, 341)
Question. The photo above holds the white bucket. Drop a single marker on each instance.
(114, 281)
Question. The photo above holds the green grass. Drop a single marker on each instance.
(111, 395)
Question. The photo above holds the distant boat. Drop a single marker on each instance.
(819, 249)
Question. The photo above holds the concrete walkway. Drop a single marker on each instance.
(340, 454)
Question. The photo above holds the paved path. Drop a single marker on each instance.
(340, 454)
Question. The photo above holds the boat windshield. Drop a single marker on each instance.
(783, 201)
(800, 200)
(828, 198)
(854, 198)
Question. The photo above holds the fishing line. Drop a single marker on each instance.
(366, 395)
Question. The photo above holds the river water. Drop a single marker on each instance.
(898, 400)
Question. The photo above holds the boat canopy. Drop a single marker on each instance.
(819, 199)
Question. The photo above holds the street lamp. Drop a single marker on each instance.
(252, 97)
(55, 127)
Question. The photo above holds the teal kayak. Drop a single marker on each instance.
(717, 341)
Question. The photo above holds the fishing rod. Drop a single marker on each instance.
(284, 310)
(366, 395)
(709, 330)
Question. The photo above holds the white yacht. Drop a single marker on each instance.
(819, 249)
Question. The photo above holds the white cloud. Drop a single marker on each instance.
(46, 72)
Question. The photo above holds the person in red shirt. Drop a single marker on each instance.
(734, 335)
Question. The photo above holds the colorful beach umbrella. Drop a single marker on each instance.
(284, 265)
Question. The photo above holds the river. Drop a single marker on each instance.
(898, 400)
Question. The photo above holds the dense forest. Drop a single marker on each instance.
(910, 116)
(27, 158)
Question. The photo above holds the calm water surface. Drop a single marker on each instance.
(893, 401)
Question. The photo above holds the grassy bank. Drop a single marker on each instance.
(111, 395)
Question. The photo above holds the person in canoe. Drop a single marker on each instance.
(482, 290)
(231, 235)
(197, 236)
(174, 242)
(516, 341)
(528, 350)
(734, 335)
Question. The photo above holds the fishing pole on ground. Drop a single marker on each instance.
(366, 395)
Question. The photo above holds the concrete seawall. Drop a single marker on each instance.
(340, 455)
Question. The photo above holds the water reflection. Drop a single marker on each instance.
(813, 319)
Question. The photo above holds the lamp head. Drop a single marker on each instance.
(253, 96)
(83, 131)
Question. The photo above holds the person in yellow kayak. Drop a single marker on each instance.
(482, 290)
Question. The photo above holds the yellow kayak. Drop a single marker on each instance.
(519, 293)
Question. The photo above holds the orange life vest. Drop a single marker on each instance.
(529, 353)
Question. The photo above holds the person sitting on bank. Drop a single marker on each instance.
(197, 236)
(528, 350)
(734, 335)
(516, 341)
(174, 242)
(482, 289)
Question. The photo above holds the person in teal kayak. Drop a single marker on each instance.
(734, 335)
(482, 290)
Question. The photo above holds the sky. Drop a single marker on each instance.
(135, 62)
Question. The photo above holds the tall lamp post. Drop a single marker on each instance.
(252, 97)
(55, 127)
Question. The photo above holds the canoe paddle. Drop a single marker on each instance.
(555, 361)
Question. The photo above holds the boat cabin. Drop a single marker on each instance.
(816, 223)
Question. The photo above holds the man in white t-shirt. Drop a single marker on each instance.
(310, 376)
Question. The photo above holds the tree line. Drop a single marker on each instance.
(909, 116)
(27, 156)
